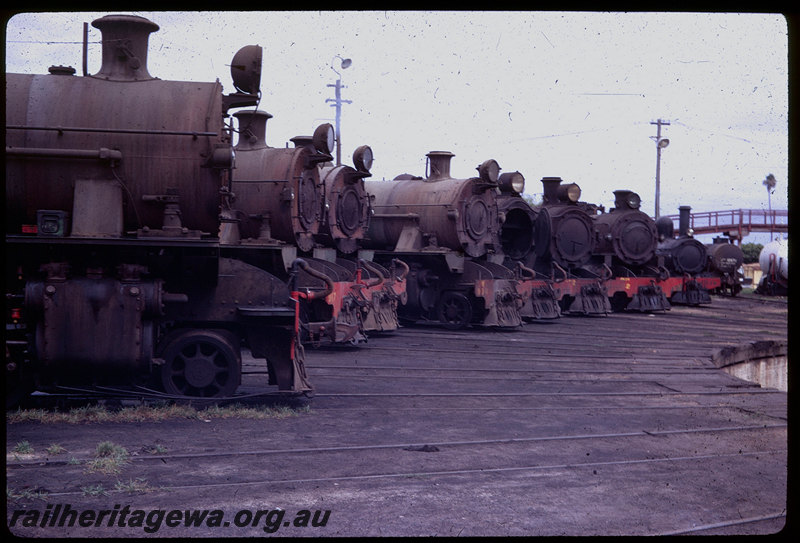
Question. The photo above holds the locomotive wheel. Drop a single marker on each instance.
(455, 311)
(201, 363)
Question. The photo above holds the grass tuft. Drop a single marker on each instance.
(152, 413)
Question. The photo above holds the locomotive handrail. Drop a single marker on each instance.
(302, 264)
(415, 204)
(403, 265)
(396, 215)
(377, 280)
(114, 130)
(101, 154)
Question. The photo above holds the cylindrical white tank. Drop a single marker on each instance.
(779, 248)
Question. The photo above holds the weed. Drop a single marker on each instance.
(11, 494)
(152, 413)
(155, 449)
(109, 458)
(55, 449)
(23, 447)
(94, 490)
(134, 486)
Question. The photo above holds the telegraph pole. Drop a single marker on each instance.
(661, 143)
(337, 103)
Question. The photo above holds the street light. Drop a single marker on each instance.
(337, 103)
(770, 183)
(661, 143)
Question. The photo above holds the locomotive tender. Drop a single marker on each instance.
(115, 274)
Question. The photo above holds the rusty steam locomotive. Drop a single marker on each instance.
(447, 230)
(137, 253)
(152, 235)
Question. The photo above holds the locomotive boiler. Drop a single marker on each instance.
(447, 230)
(684, 257)
(517, 235)
(114, 187)
(563, 245)
(293, 199)
(626, 237)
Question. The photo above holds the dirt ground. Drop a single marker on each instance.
(583, 426)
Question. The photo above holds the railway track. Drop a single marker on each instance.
(567, 428)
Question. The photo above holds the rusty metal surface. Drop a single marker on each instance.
(150, 163)
(347, 208)
(277, 189)
(683, 255)
(626, 233)
(443, 212)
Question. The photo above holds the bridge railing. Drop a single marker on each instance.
(739, 221)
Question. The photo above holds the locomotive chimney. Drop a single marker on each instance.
(124, 47)
(252, 128)
(550, 185)
(439, 164)
(683, 220)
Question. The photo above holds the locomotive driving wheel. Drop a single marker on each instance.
(455, 311)
(201, 363)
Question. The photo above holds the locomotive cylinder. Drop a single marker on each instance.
(457, 214)
(142, 139)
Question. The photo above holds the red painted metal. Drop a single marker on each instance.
(741, 222)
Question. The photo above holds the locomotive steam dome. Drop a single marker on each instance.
(458, 214)
(125, 40)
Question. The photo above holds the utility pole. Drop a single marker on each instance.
(337, 103)
(661, 143)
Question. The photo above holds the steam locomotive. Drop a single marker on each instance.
(137, 253)
(597, 261)
(292, 199)
(447, 230)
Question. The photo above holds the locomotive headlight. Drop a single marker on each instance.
(570, 192)
(362, 158)
(512, 182)
(324, 138)
(489, 171)
(634, 201)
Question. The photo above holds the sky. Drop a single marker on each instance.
(568, 94)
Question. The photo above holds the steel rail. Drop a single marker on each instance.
(463, 443)
(439, 473)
